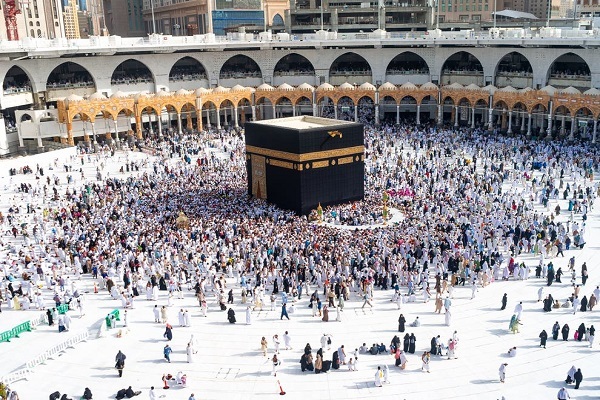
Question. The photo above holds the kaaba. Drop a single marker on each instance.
(298, 163)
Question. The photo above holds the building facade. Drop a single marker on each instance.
(174, 17)
(124, 17)
(33, 19)
(406, 77)
(307, 16)
(71, 19)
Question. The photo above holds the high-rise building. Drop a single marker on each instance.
(468, 10)
(588, 8)
(174, 17)
(32, 19)
(306, 16)
(71, 19)
(124, 17)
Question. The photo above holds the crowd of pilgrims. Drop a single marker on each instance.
(469, 213)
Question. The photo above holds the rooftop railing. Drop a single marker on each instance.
(164, 43)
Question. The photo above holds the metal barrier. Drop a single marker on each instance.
(16, 376)
(54, 351)
(42, 319)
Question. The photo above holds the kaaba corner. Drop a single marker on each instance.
(300, 162)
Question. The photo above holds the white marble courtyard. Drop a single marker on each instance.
(229, 364)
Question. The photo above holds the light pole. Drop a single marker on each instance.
(153, 22)
(321, 14)
(22, 4)
(495, 10)
(549, 11)
(437, 16)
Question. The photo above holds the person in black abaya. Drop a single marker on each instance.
(412, 344)
(401, 323)
(50, 318)
(162, 284)
(406, 343)
(584, 304)
(565, 332)
(504, 300)
(559, 273)
(433, 349)
(543, 338)
(550, 276)
(231, 316)
(580, 332)
(336, 360)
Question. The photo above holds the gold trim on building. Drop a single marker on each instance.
(317, 155)
(282, 164)
(345, 160)
(320, 164)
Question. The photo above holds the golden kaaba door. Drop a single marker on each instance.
(259, 177)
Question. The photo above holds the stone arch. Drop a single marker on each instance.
(408, 99)
(16, 80)
(583, 112)
(350, 66)
(26, 118)
(464, 102)
(146, 118)
(569, 69)
(284, 107)
(244, 106)
(69, 74)
(264, 108)
(407, 62)
(301, 65)
(561, 109)
(226, 110)
(189, 115)
(243, 101)
(83, 116)
(240, 66)
(345, 108)
(283, 99)
(303, 105)
(303, 98)
(277, 20)
(514, 69)
(325, 107)
(187, 68)
(132, 71)
(461, 63)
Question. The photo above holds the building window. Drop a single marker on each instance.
(476, 18)
(443, 8)
(485, 7)
(449, 7)
(460, 8)
(463, 18)
(479, 7)
(467, 7)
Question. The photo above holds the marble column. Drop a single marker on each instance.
(455, 116)
(573, 123)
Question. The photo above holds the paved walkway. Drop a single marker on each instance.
(229, 363)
